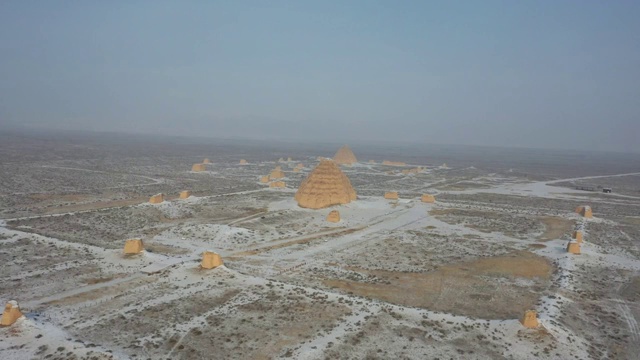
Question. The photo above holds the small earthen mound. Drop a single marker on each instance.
(573, 248)
(277, 184)
(334, 216)
(185, 194)
(296, 170)
(326, 185)
(426, 198)
(264, 179)
(243, 162)
(393, 163)
(530, 319)
(210, 260)
(11, 313)
(198, 167)
(577, 236)
(585, 211)
(391, 195)
(276, 174)
(372, 161)
(133, 246)
(157, 198)
(206, 161)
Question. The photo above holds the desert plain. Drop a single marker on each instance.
(392, 279)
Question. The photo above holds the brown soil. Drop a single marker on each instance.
(472, 288)
(296, 242)
(68, 197)
(107, 291)
(555, 227)
(96, 205)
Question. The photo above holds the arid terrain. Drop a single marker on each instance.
(393, 279)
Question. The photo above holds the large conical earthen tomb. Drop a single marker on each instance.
(345, 156)
(326, 185)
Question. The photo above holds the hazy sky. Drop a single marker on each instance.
(556, 74)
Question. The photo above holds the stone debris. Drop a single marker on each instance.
(133, 246)
(185, 194)
(210, 260)
(391, 195)
(426, 198)
(326, 185)
(198, 167)
(334, 216)
(11, 313)
(530, 319)
(345, 156)
(157, 198)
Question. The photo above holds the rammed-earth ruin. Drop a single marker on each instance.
(277, 184)
(585, 211)
(573, 247)
(326, 185)
(334, 216)
(391, 195)
(427, 198)
(157, 198)
(133, 246)
(11, 313)
(198, 167)
(530, 319)
(210, 260)
(345, 156)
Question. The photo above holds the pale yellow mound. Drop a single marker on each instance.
(156, 199)
(530, 319)
(210, 260)
(276, 174)
(345, 156)
(133, 246)
(426, 198)
(10, 314)
(334, 216)
(391, 195)
(326, 185)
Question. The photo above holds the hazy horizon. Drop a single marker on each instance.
(542, 75)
